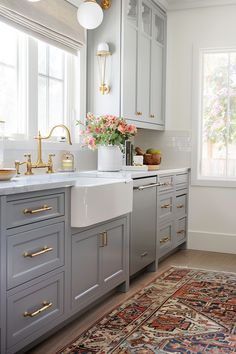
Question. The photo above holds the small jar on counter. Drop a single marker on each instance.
(67, 162)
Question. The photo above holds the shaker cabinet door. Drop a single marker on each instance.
(156, 104)
(143, 83)
(113, 253)
(129, 108)
(85, 268)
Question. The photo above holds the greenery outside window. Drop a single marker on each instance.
(217, 113)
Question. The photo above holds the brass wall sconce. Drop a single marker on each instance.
(103, 53)
(105, 4)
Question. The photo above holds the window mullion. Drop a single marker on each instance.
(32, 87)
(228, 117)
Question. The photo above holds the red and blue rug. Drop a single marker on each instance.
(182, 311)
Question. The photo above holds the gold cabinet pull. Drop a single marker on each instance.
(144, 254)
(166, 184)
(164, 240)
(103, 239)
(36, 211)
(139, 113)
(181, 232)
(180, 206)
(166, 206)
(45, 249)
(45, 306)
(152, 115)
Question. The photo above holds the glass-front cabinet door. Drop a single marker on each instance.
(158, 28)
(132, 12)
(146, 18)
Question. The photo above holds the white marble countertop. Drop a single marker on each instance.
(24, 184)
(133, 174)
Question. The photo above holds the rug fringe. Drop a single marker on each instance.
(205, 269)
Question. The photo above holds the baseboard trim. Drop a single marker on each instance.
(211, 241)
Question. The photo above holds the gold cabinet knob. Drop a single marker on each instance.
(152, 115)
(139, 113)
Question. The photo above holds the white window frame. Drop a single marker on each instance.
(76, 105)
(197, 89)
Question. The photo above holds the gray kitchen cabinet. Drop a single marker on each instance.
(144, 42)
(99, 262)
(33, 261)
(136, 33)
(34, 252)
(143, 224)
(49, 274)
(172, 206)
(34, 308)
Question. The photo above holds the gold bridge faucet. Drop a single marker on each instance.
(39, 163)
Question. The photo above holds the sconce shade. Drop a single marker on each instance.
(90, 14)
(103, 49)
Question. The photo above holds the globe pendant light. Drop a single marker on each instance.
(90, 14)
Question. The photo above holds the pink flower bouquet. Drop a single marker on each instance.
(105, 130)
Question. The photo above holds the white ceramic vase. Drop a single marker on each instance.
(109, 158)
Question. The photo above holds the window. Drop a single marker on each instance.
(217, 140)
(37, 86)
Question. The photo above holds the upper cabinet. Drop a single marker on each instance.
(140, 78)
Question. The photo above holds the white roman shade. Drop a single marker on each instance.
(53, 21)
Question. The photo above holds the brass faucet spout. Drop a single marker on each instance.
(60, 126)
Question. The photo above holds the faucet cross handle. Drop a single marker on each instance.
(50, 163)
(28, 165)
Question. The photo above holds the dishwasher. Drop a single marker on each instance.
(143, 224)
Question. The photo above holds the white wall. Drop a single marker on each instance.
(212, 222)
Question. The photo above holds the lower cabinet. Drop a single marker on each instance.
(33, 309)
(172, 199)
(99, 261)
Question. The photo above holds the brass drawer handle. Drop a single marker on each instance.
(45, 249)
(181, 232)
(103, 239)
(166, 206)
(152, 116)
(164, 240)
(36, 211)
(166, 184)
(45, 306)
(138, 113)
(180, 206)
(144, 254)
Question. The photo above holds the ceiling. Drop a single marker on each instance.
(181, 4)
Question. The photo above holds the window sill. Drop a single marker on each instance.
(32, 145)
(214, 182)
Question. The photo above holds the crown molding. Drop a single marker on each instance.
(192, 4)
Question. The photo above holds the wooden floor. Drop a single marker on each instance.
(185, 258)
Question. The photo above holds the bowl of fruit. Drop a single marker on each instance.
(152, 157)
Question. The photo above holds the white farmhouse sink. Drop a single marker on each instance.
(94, 200)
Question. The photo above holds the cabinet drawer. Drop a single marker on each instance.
(35, 252)
(34, 309)
(181, 205)
(165, 238)
(180, 230)
(25, 211)
(165, 206)
(181, 179)
(166, 183)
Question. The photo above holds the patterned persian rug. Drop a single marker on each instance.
(182, 311)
